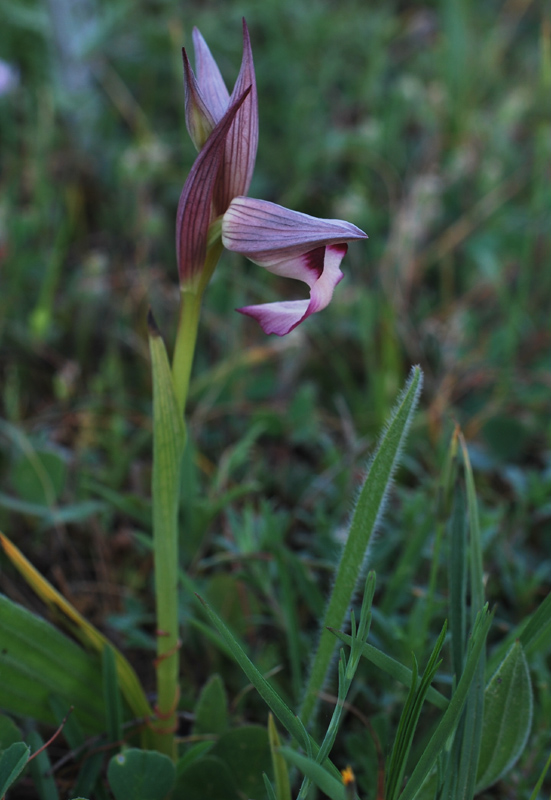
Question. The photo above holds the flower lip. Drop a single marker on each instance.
(320, 269)
(292, 245)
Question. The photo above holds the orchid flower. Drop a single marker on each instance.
(225, 131)
(292, 245)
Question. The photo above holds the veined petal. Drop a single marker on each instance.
(242, 141)
(211, 82)
(199, 120)
(195, 205)
(320, 269)
(269, 234)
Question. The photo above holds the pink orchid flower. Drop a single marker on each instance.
(292, 245)
(225, 131)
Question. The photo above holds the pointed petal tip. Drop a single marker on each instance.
(267, 233)
(277, 318)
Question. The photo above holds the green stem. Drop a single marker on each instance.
(184, 350)
(186, 337)
(168, 446)
(170, 391)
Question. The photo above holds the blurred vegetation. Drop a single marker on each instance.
(428, 125)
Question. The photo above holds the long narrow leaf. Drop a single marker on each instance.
(451, 717)
(329, 784)
(281, 773)
(266, 691)
(281, 710)
(476, 566)
(471, 729)
(111, 694)
(537, 633)
(79, 626)
(457, 572)
(395, 669)
(37, 661)
(408, 722)
(367, 515)
(41, 769)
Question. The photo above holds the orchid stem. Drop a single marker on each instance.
(170, 392)
(184, 350)
(186, 337)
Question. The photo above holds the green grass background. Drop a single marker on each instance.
(426, 124)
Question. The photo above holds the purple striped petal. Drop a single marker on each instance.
(242, 142)
(268, 233)
(195, 206)
(200, 122)
(211, 83)
(320, 269)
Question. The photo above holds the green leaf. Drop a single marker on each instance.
(112, 695)
(40, 767)
(328, 784)
(475, 562)
(452, 715)
(507, 718)
(9, 733)
(266, 691)
(76, 512)
(90, 774)
(80, 627)
(536, 636)
(206, 779)
(367, 515)
(457, 577)
(281, 773)
(36, 661)
(536, 793)
(39, 477)
(12, 764)
(466, 746)
(211, 711)
(194, 753)
(269, 789)
(281, 710)
(393, 668)
(140, 775)
(246, 751)
(408, 720)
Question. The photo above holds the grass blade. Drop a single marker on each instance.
(280, 709)
(394, 668)
(329, 784)
(452, 715)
